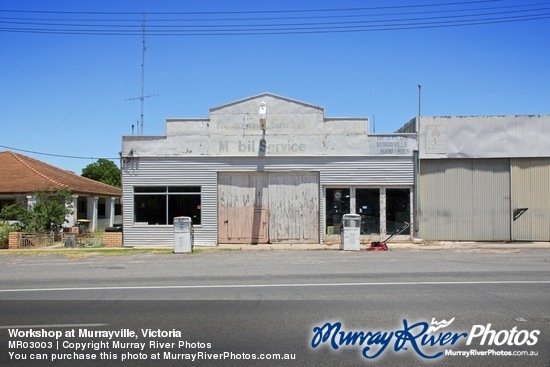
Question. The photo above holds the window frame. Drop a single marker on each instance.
(353, 207)
(166, 192)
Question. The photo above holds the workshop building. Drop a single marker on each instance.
(266, 169)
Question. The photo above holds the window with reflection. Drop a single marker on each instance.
(157, 205)
(367, 204)
(337, 204)
(398, 210)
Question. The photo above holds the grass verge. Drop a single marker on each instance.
(87, 252)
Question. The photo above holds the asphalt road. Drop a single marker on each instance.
(249, 304)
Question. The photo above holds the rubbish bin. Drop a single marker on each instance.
(351, 226)
(83, 225)
(183, 235)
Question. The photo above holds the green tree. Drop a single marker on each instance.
(47, 214)
(104, 171)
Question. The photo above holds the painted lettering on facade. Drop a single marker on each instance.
(253, 146)
(254, 125)
(391, 145)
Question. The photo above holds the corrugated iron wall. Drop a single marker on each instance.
(464, 199)
(531, 191)
(166, 171)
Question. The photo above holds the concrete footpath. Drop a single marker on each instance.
(397, 246)
(400, 246)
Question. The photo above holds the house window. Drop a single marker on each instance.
(160, 204)
(6, 202)
(82, 208)
(118, 207)
(101, 207)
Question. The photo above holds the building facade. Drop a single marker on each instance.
(265, 169)
(484, 178)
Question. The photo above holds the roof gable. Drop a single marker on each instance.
(22, 174)
(271, 99)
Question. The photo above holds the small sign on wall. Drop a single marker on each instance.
(436, 139)
(391, 145)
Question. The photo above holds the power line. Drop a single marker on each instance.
(55, 155)
(150, 19)
(286, 17)
(285, 30)
(297, 29)
(283, 25)
(201, 26)
(251, 11)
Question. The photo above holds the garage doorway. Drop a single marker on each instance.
(275, 207)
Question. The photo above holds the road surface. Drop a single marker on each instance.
(244, 307)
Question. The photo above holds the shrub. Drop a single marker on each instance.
(47, 214)
(5, 229)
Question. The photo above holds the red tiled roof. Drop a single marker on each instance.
(20, 174)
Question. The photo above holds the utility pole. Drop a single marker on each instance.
(143, 96)
(419, 108)
(416, 168)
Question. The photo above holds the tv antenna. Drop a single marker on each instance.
(143, 96)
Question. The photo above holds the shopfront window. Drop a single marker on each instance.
(398, 210)
(367, 204)
(159, 205)
(337, 204)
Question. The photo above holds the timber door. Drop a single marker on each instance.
(242, 208)
(268, 207)
(294, 207)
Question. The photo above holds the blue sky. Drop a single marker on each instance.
(68, 94)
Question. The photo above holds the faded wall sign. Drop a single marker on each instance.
(391, 145)
(436, 139)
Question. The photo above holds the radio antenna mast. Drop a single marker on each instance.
(143, 96)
